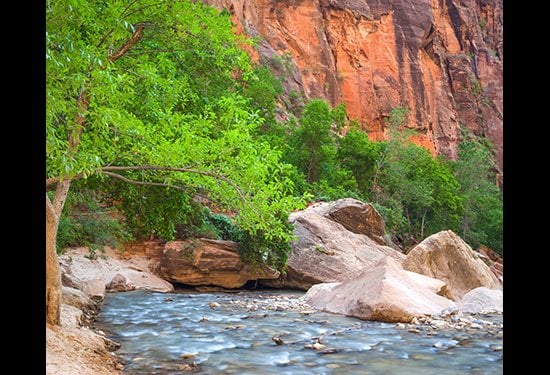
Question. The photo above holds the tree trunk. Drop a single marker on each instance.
(53, 271)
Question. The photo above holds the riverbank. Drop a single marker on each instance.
(75, 347)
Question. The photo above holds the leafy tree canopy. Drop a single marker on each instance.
(161, 93)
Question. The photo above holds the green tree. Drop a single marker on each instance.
(359, 155)
(482, 220)
(144, 92)
(418, 194)
(312, 143)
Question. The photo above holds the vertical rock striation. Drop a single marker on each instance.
(440, 58)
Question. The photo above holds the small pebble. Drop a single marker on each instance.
(318, 346)
(214, 305)
(277, 340)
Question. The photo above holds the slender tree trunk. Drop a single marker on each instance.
(53, 271)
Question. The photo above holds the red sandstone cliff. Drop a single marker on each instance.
(441, 58)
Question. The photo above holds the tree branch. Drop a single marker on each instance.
(144, 183)
(172, 169)
(108, 171)
(136, 36)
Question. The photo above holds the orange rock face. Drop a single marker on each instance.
(441, 59)
(204, 262)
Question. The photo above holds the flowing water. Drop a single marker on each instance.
(168, 333)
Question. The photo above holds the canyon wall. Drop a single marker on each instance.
(440, 58)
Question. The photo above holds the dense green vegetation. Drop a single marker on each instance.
(152, 106)
(154, 103)
(417, 194)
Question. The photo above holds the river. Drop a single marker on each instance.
(266, 332)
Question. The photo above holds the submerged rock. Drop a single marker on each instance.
(445, 256)
(384, 292)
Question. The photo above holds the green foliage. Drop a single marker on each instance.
(359, 155)
(482, 220)
(398, 117)
(312, 144)
(477, 88)
(226, 229)
(85, 222)
(420, 193)
(184, 95)
(261, 248)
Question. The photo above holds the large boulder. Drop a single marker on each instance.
(445, 256)
(384, 292)
(208, 262)
(482, 300)
(355, 216)
(326, 251)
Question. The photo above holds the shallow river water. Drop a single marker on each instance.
(168, 333)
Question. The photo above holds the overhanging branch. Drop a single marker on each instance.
(108, 171)
(183, 170)
(144, 183)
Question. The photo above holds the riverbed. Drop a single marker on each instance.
(274, 332)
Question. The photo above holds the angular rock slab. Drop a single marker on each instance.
(385, 292)
(445, 256)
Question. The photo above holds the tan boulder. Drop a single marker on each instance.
(384, 292)
(325, 251)
(119, 284)
(77, 298)
(208, 262)
(445, 256)
(355, 216)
